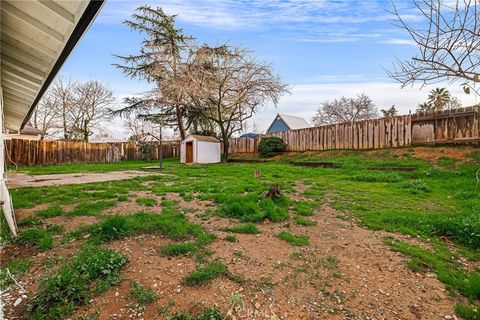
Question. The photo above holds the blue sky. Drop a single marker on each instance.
(324, 49)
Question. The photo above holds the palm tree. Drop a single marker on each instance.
(424, 107)
(439, 97)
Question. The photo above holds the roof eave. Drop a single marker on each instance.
(83, 24)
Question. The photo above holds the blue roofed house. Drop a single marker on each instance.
(283, 122)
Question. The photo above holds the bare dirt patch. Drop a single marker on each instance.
(345, 273)
(72, 223)
(19, 180)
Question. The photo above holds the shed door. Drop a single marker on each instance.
(189, 152)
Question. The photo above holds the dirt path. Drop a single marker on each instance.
(19, 180)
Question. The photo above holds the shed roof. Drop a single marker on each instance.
(36, 38)
(293, 122)
(204, 138)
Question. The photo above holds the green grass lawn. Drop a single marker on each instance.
(436, 202)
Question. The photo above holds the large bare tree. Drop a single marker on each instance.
(158, 61)
(227, 85)
(92, 100)
(344, 110)
(448, 41)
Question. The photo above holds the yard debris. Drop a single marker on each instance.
(273, 193)
(257, 173)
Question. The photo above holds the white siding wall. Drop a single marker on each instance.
(207, 152)
(183, 150)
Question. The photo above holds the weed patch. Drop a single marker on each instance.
(50, 212)
(37, 237)
(305, 222)
(416, 187)
(30, 221)
(206, 274)
(304, 207)
(16, 268)
(231, 238)
(90, 208)
(177, 249)
(248, 228)
(148, 202)
(467, 283)
(295, 240)
(60, 294)
(377, 176)
(141, 294)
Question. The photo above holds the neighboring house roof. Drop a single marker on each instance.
(37, 37)
(27, 129)
(249, 135)
(292, 122)
(203, 138)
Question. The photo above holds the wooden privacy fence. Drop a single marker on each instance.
(29, 152)
(450, 126)
(368, 134)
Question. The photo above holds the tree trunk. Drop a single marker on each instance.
(181, 126)
(226, 144)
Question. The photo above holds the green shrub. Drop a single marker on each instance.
(50, 212)
(204, 275)
(36, 237)
(271, 146)
(177, 249)
(248, 228)
(293, 239)
(142, 295)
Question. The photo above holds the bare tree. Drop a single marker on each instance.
(448, 40)
(227, 85)
(92, 100)
(345, 110)
(138, 128)
(46, 115)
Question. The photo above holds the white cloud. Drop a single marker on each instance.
(317, 20)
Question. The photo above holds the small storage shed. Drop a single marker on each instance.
(200, 149)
